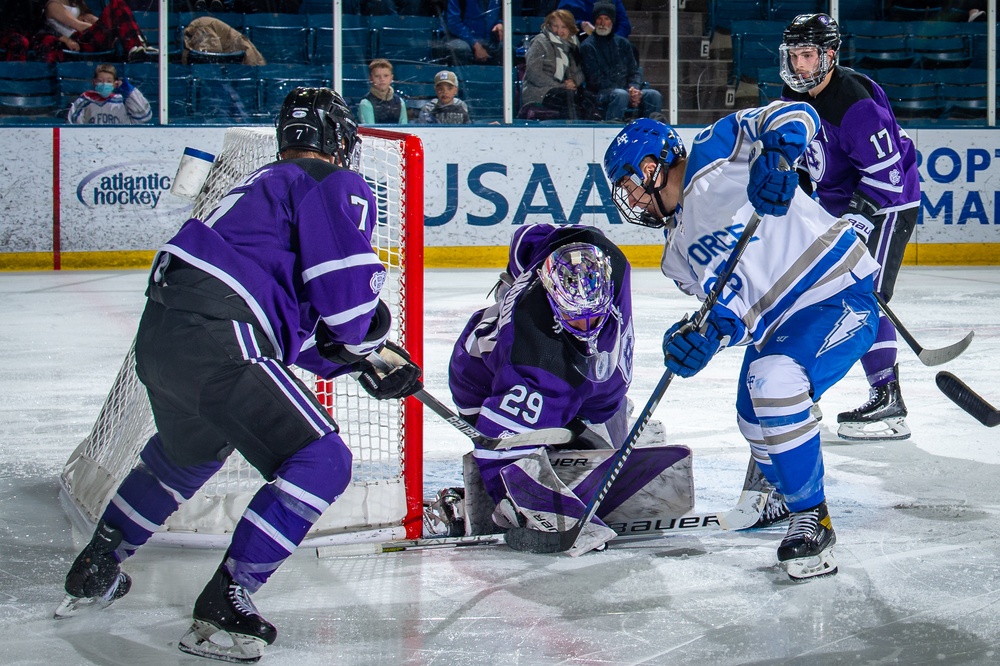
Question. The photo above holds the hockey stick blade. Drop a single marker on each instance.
(742, 516)
(963, 396)
(929, 357)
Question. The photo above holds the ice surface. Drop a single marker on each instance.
(917, 521)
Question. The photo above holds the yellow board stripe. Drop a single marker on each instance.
(641, 256)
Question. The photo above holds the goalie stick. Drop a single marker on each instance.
(745, 514)
(541, 437)
(929, 357)
(963, 396)
(537, 541)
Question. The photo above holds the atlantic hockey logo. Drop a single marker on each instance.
(128, 184)
(849, 323)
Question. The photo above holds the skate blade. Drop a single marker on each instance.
(805, 568)
(198, 641)
(885, 430)
(72, 606)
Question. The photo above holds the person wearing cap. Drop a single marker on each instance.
(611, 71)
(446, 108)
(475, 32)
(583, 12)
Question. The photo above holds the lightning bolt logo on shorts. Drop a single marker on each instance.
(845, 328)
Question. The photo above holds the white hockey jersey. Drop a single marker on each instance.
(126, 106)
(793, 261)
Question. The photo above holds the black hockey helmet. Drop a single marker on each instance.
(818, 30)
(319, 119)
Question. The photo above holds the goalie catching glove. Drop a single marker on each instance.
(772, 181)
(397, 377)
(687, 350)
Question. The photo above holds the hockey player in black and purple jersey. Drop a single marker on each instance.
(864, 167)
(281, 272)
(555, 350)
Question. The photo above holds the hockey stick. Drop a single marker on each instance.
(929, 357)
(537, 541)
(963, 396)
(541, 437)
(740, 517)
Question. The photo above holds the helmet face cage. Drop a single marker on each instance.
(638, 140)
(818, 31)
(319, 119)
(577, 281)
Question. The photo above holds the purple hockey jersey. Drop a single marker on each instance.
(860, 146)
(513, 369)
(294, 240)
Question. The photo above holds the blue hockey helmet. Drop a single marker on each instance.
(638, 140)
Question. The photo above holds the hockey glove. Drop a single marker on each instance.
(342, 354)
(863, 215)
(772, 181)
(686, 350)
(402, 380)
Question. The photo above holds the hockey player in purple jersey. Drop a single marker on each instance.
(800, 299)
(281, 272)
(555, 350)
(864, 167)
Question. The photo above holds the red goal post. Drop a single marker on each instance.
(384, 500)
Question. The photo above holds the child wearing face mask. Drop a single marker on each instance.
(113, 101)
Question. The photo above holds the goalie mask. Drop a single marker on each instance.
(623, 159)
(577, 281)
(319, 119)
(806, 31)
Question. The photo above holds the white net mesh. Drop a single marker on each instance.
(380, 497)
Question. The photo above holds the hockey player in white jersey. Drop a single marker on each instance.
(800, 299)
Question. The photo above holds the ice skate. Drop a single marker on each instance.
(445, 516)
(882, 418)
(774, 511)
(807, 549)
(95, 580)
(224, 611)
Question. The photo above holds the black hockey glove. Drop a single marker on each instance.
(400, 379)
(344, 355)
(863, 215)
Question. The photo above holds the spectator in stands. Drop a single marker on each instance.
(113, 101)
(21, 20)
(446, 108)
(553, 77)
(70, 24)
(583, 11)
(381, 106)
(611, 71)
(475, 33)
(210, 35)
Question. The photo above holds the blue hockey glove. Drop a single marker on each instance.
(772, 180)
(686, 351)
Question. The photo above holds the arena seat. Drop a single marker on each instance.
(28, 89)
(755, 47)
(280, 38)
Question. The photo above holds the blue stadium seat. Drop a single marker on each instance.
(769, 84)
(938, 45)
(786, 10)
(146, 77)
(914, 102)
(876, 44)
(75, 78)
(722, 14)
(357, 45)
(755, 46)
(280, 38)
(964, 102)
(276, 81)
(225, 94)
(28, 89)
(415, 72)
(401, 38)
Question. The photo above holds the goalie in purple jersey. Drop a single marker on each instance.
(281, 272)
(864, 167)
(555, 350)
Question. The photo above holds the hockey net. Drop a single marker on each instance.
(384, 499)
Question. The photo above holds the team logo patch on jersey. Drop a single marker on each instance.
(815, 160)
(849, 323)
(377, 281)
(895, 177)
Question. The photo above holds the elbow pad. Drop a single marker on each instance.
(343, 354)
